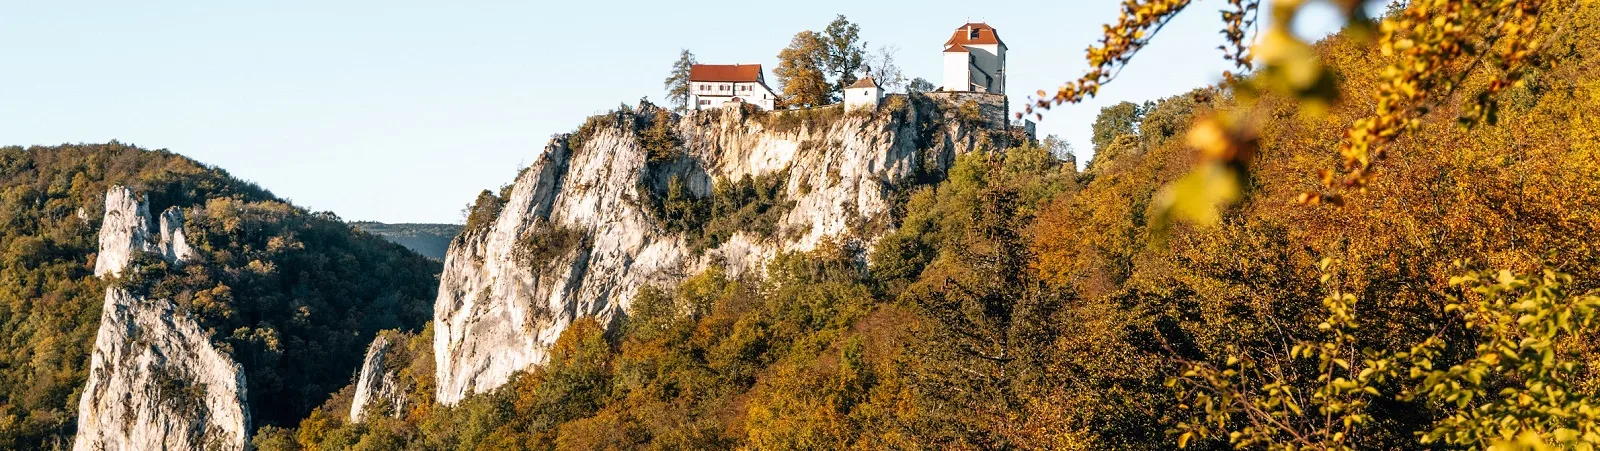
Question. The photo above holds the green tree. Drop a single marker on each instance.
(1062, 150)
(845, 54)
(1113, 121)
(802, 71)
(677, 83)
(920, 84)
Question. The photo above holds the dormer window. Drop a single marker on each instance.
(972, 33)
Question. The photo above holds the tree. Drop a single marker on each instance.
(1113, 121)
(801, 68)
(1062, 150)
(1522, 382)
(845, 54)
(677, 84)
(883, 69)
(920, 84)
(1501, 41)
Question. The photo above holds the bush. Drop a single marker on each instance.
(546, 243)
(485, 210)
(660, 142)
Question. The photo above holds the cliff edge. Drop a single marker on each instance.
(644, 197)
(155, 381)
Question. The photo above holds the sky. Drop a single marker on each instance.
(402, 111)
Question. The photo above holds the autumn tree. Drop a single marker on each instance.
(802, 70)
(677, 83)
(1501, 40)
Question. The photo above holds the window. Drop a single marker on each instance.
(972, 33)
(705, 102)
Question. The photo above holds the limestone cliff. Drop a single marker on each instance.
(498, 309)
(377, 383)
(155, 381)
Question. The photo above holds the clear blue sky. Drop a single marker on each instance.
(401, 111)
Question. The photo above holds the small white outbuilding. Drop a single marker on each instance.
(865, 93)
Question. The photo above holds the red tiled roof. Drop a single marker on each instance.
(986, 35)
(953, 48)
(725, 72)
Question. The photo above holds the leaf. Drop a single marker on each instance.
(1198, 197)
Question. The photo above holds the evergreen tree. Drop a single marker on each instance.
(677, 84)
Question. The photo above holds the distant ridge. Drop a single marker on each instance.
(430, 240)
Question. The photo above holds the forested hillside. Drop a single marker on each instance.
(1021, 304)
(294, 296)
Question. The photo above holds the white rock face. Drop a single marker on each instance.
(378, 382)
(496, 315)
(124, 231)
(155, 381)
(172, 244)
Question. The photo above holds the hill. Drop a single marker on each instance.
(293, 295)
(430, 240)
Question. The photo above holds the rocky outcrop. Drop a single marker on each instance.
(173, 244)
(126, 231)
(498, 313)
(155, 381)
(378, 385)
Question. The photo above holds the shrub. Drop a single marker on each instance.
(752, 204)
(483, 211)
(547, 243)
(660, 142)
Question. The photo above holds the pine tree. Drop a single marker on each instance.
(677, 84)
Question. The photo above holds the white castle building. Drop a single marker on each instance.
(975, 60)
(713, 85)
